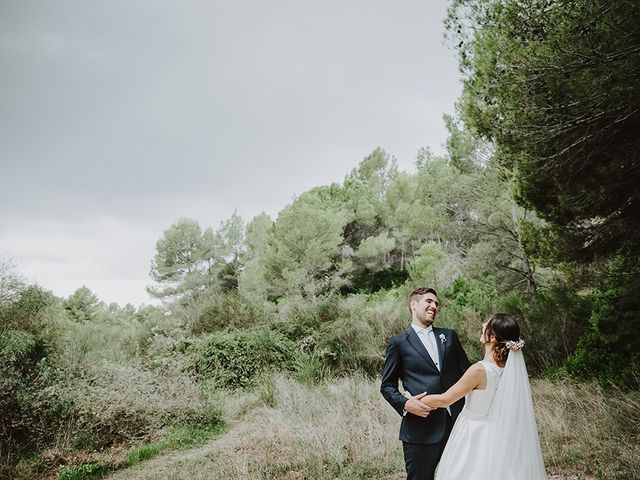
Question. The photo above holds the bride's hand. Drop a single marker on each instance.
(415, 406)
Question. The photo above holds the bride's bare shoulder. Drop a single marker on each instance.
(477, 367)
(478, 373)
(476, 370)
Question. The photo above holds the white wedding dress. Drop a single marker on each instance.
(495, 435)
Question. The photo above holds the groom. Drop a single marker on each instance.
(425, 359)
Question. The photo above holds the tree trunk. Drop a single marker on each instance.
(532, 288)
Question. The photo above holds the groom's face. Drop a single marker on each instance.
(425, 309)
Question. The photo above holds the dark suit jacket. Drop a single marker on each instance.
(407, 360)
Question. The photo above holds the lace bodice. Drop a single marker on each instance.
(479, 401)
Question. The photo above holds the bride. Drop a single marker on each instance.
(495, 436)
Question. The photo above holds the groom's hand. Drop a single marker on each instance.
(416, 407)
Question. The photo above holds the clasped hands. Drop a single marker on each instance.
(415, 406)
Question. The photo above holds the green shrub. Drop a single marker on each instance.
(465, 306)
(551, 324)
(342, 334)
(310, 368)
(233, 359)
(298, 318)
(229, 310)
(610, 349)
(24, 313)
(371, 281)
(350, 344)
(125, 402)
(32, 407)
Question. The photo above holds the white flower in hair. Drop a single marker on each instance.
(513, 345)
(442, 338)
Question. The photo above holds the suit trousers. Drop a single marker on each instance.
(421, 460)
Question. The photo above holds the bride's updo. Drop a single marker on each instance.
(504, 329)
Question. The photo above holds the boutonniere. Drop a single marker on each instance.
(442, 338)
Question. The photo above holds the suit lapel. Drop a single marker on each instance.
(416, 343)
(440, 344)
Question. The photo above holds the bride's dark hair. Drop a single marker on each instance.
(504, 328)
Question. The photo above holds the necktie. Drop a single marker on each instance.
(430, 343)
(431, 346)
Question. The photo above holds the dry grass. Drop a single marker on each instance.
(342, 430)
(345, 430)
(125, 402)
(587, 430)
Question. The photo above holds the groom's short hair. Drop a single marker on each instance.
(418, 292)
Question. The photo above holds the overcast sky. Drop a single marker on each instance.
(119, 117)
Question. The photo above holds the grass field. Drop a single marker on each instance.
(345, 430)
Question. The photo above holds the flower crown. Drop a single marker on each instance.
(514, 345)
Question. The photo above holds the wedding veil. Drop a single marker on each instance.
(515, 451)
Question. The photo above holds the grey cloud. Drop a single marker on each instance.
(146, 111)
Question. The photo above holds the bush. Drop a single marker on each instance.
(311, 368)
(123, 402)
(298, 318)
(372, 281)
(32, 407)
(24, 313)
(233, 359)
(551, 324)
(230, 310)
(348, 345)
(342, 335)
(465, 306)
(610, 350)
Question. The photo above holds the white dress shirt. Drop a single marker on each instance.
(428, 339)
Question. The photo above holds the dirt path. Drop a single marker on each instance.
(179, 464)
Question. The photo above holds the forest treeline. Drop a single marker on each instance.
(532, 210)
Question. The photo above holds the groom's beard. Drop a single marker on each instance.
(426, 319)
